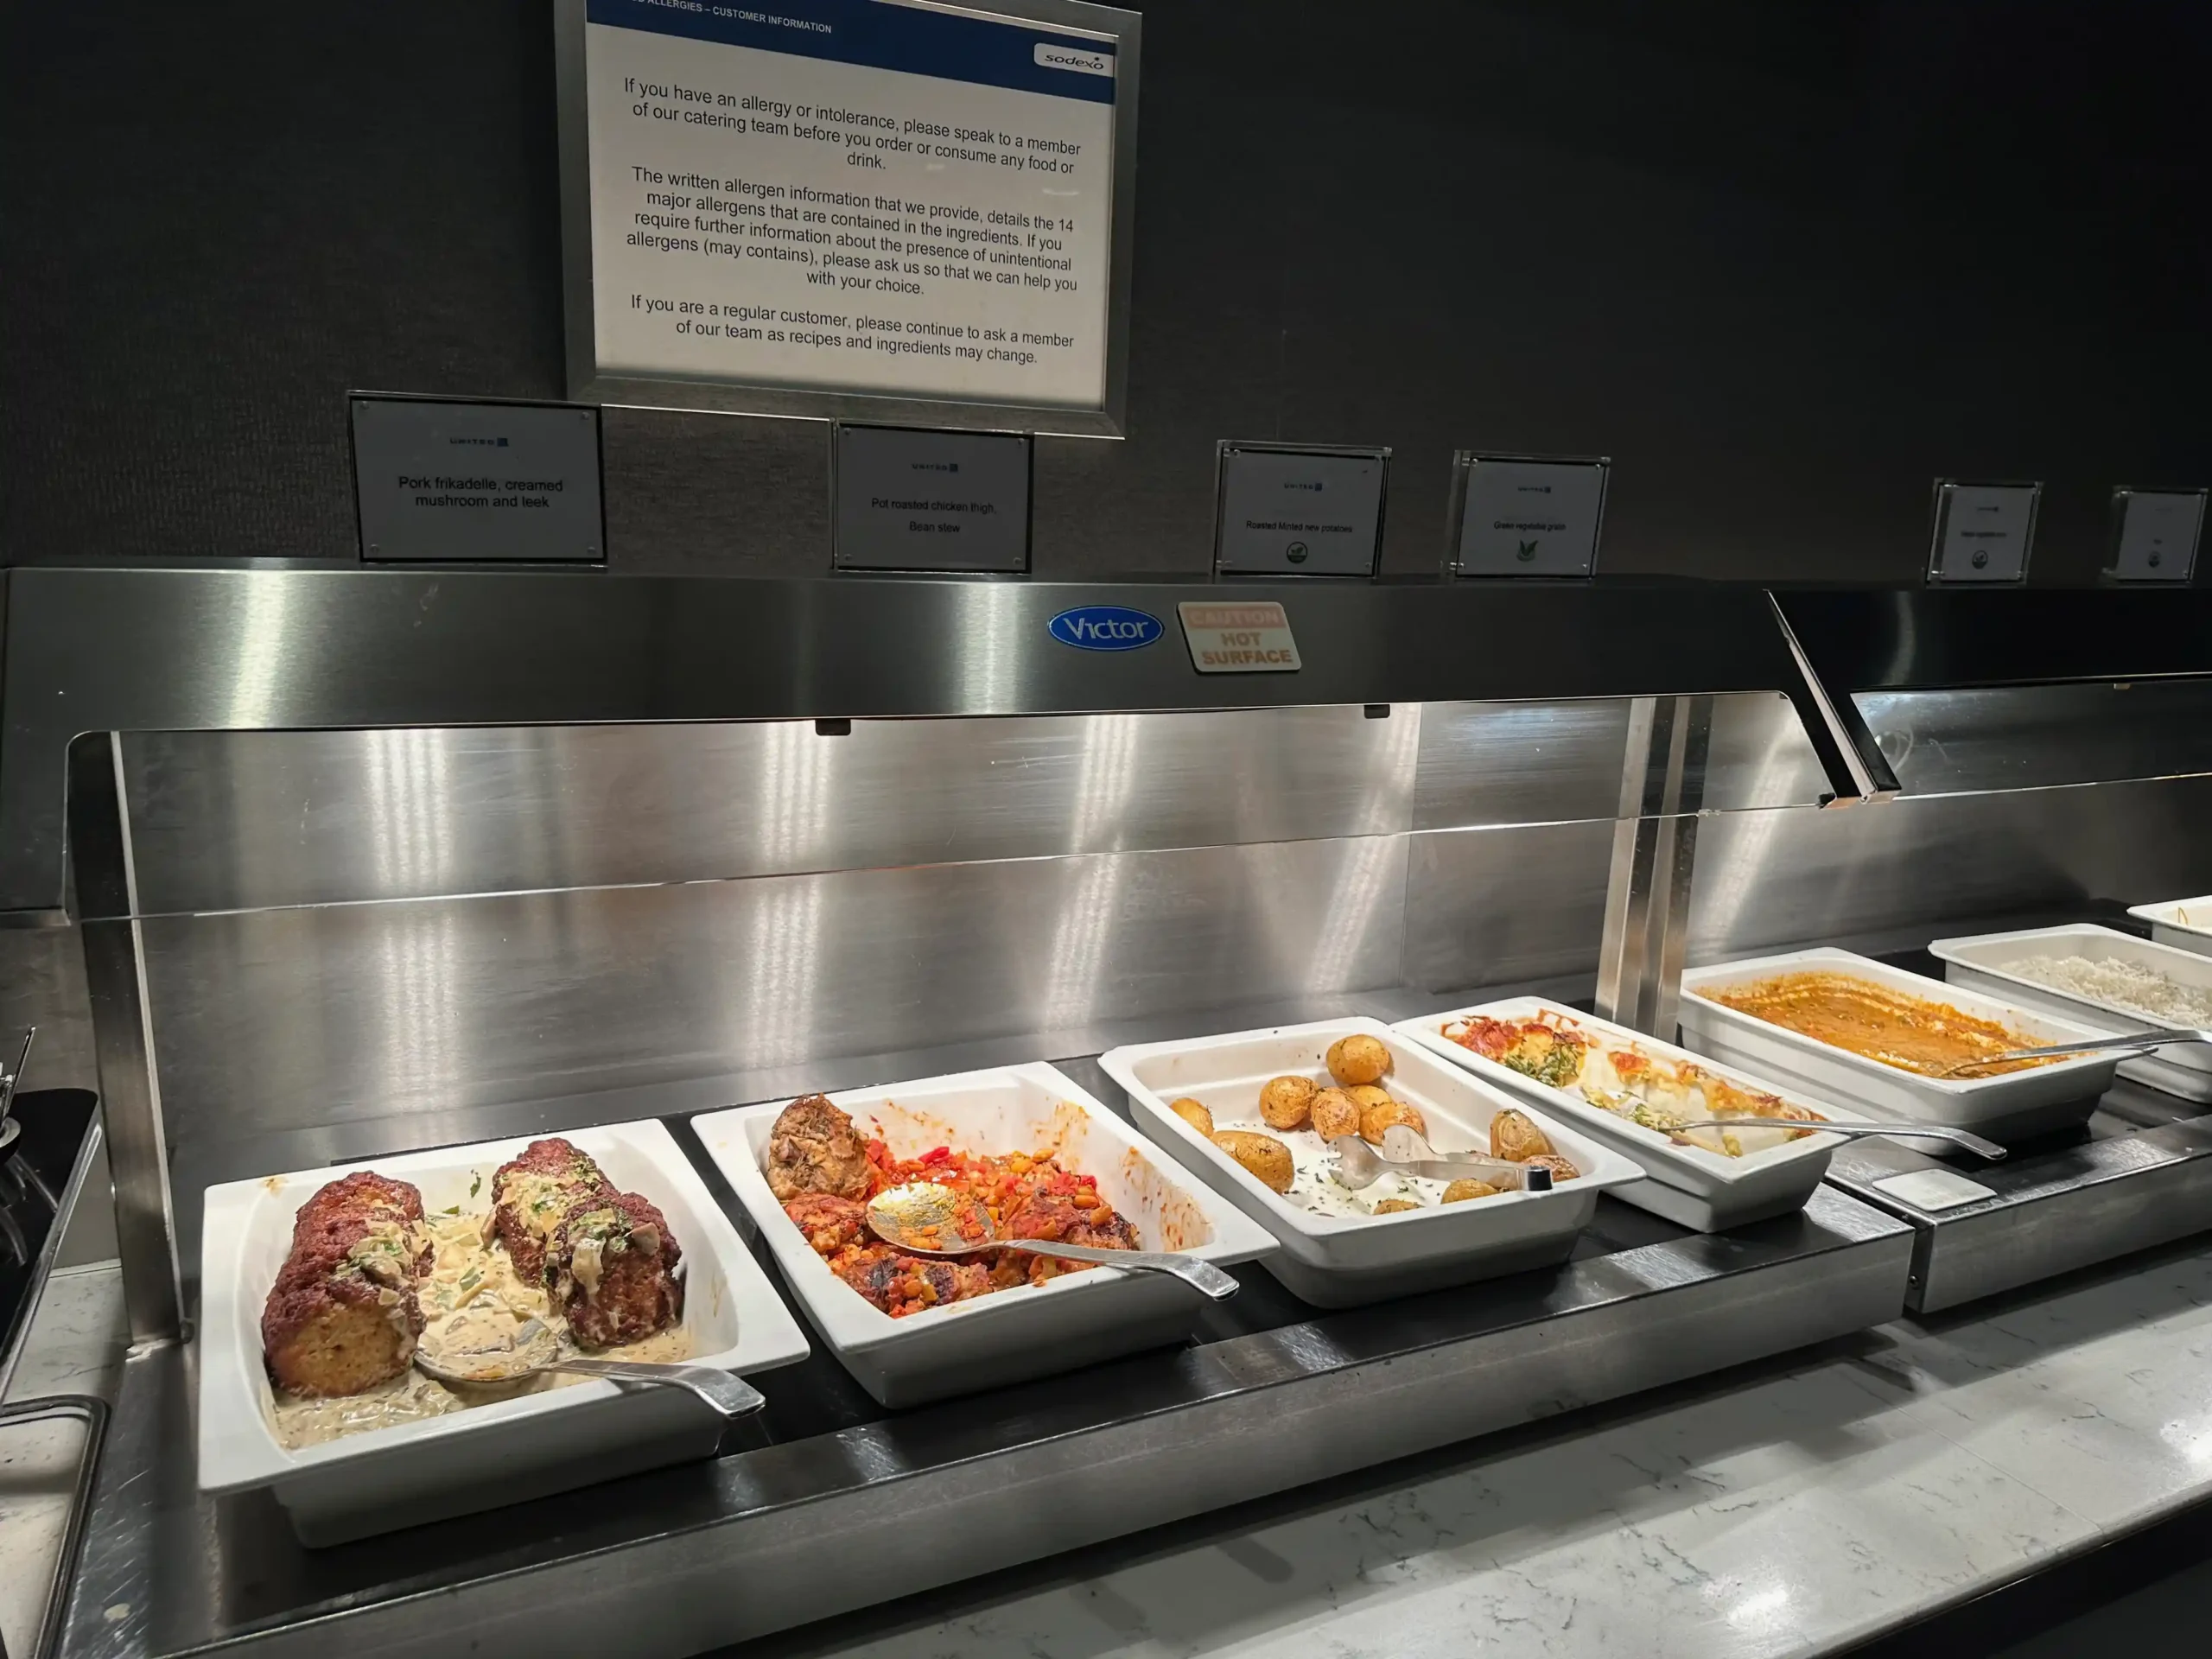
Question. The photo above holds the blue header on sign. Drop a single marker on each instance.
(884, 36)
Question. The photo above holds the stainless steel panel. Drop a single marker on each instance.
(768, 1537)
(234, 821)
(1497, 763)
(2033, 736)
(1497, 906)
(1785, 878)
(42, 984)
(281, 1019)
(132, 650)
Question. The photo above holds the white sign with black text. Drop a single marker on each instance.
(1983, 532)
(1300, 512)
(2157, 534)
(1523, 517)
(907, 500)
(850, 195)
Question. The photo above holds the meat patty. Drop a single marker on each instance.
(531, 1192)
(1049, 1215)
(815, 1149)
(612, 1266)
(343, 1315)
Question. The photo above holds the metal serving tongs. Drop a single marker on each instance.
(2137, 1044)
(1359, 1165)
(10, 1129)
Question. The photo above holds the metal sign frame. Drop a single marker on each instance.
(1463, 462)
(1224, 448)
(587, 383)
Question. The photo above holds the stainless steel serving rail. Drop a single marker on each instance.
(2012, 696)
(808, 1510)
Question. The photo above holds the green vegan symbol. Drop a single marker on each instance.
(1527, 552)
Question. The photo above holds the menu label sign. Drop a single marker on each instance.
(1529, 518)
(478, 483)
(1239, 638)
(922, 501)
(2157, 536)
(1300, 512)
(1983, 532)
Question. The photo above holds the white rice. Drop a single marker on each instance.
(2123, 984)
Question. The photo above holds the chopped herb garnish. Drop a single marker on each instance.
(476, 1183)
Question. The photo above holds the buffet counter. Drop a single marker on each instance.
(1788, 1508)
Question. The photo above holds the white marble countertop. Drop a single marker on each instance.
(1785, 1511)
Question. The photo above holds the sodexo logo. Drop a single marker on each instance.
(1105, 628)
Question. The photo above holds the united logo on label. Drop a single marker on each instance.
(1106, 627)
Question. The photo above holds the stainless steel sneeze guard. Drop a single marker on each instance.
(367, 862)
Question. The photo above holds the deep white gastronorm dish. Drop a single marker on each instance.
(2185, 924)
(489, 1455)
(2020, 1103)
(1983, 963)
(1008, 1336)
(1690, 1185)
(1342, 1261)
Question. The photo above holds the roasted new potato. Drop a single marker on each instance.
(1358, 1059)
(1264, 1156)
(1514, 1137)
(1395, 1206)
(1562, 1167)
(1376, 1121)
(1365, 1095)
(1335, 1113)
(1460, 1191)
(1194, 1113)
(1287, 1102)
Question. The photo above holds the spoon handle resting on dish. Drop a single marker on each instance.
(1200, 1275)
(1965, 1138)
(1359, 1165)
(2139, 1041)
(733, 1396)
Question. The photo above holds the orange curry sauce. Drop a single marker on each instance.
(1906, 1032)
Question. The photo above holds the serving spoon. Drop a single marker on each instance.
(1965, 1138)
(536, 1350)
(919, 1217)
(2139, 1041)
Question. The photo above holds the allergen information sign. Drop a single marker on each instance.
(1983, 532)
(860, 197)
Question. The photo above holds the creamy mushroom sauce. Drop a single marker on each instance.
(471, 1299)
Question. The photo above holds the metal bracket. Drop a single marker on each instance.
(1655, 852)
(122, 1038)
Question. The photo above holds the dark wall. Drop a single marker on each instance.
(1785, 262)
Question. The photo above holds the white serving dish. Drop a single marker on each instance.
(1340, 1262)
(491, 1455)
(1010, 1336)
(2020, 1103)
(2185, 924)
(1690, 1185)
(1983, 964)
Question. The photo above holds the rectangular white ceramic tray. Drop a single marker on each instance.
(2185, 924)
(1010, 1336)
(1984, 963)
(2020, 1103)
(1340, 1262)
(489, 1455)
(1690, 1185)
